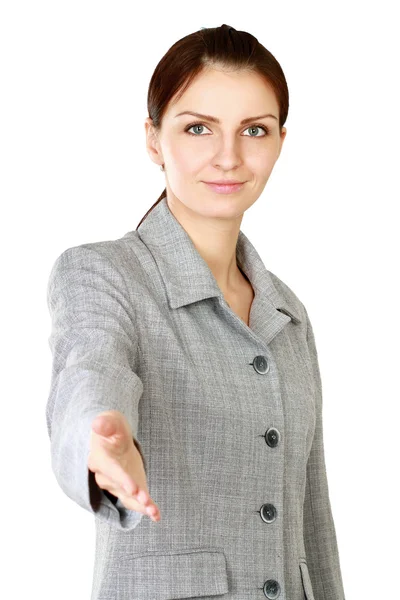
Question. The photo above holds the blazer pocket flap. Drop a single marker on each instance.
(305, 577)
(173, 575)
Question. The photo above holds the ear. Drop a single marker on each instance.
(282, 139)
(152, 142)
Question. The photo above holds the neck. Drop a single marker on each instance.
(215, 240)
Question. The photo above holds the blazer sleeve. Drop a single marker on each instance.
(93, 343)
(318, 526)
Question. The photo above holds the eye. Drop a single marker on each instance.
(266, 131)
(194, 125)
(252, 127)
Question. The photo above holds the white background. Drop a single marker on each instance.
(74, 169)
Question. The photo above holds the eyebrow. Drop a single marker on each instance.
(215, 120)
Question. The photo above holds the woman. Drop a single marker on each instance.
(183, 366)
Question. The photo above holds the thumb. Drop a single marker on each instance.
(109, 424)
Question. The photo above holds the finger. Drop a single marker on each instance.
(107, 484)
(112, 486)
(145, 500)
(141, 496)
(151, 510)
(102, 463)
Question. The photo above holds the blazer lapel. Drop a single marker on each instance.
(188, 278)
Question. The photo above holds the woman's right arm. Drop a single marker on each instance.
(93, 343)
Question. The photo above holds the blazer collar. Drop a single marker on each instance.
(187, 276)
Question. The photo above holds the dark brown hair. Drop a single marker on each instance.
(219, 47)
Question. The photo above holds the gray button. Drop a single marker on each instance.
(268, 513)
(272, 437)
(271, 588)
(261, 364)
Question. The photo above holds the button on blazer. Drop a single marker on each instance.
(228, 418)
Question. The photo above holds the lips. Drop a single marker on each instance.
(225, 182)
(224, 188)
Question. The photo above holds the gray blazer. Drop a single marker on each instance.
(228, 419)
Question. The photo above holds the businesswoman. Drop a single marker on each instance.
(185, 384)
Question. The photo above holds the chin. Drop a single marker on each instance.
(223, 206)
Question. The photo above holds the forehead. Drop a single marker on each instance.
(212, 91)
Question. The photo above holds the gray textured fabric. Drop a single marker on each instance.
(140, 325)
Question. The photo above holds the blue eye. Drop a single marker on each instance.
(194, 125)
(258, 127)
(265, 129)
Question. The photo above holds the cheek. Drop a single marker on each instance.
(187, 159)
(261, 163)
